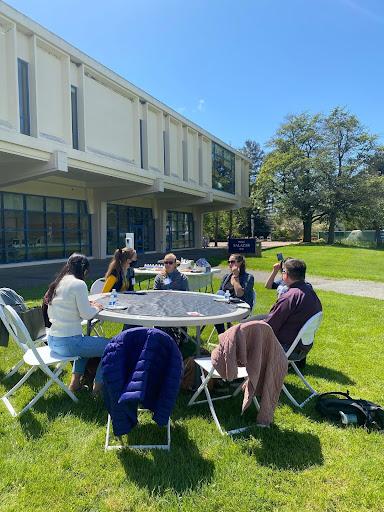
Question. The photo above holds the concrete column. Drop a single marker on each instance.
(198, 226)
(66, 98)
(144, 138)
(185, 153)
(33, 99)
(98, 211)
(160, 217)
(136, 130)
(81, 109)
(167, 152)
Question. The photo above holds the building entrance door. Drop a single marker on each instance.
(138, 230)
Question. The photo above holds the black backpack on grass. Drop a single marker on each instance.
(338, 406)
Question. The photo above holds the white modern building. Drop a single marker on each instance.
(85, 156)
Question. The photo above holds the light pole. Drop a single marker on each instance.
(252, 225)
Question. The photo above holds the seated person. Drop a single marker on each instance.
(170, 278)
(238, 282)
(278, 284)
(294, 307)
(120, 274)
(67, 300)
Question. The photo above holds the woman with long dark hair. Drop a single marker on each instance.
(120, 274)
(237, 282)
(68, 304)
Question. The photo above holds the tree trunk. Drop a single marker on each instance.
(216, 228)
(307, 229)
(331, 228)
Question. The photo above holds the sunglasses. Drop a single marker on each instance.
(232, 261)
(169, 262)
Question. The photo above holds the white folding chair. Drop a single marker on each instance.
(23, 347)
(207, 373)
(35, 357)
(306, 337)
(109, 447)
(95, 324)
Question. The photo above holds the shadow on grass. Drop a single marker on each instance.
(317, 370)
(161, 470)
(285, 449)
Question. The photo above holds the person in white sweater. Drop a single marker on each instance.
(68, 304)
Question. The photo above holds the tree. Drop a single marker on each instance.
(290, 173)
(346, 152)
(253, 151)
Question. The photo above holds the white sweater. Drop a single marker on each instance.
(69, 306)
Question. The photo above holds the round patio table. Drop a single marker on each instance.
(171, 309)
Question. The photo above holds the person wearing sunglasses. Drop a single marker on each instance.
(238, 282)
(170, 278)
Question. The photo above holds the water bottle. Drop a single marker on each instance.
(348, 419)
(227, 295)
(112, 298)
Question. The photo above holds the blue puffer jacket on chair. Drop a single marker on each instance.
(140, 366)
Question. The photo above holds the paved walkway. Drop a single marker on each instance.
(348, 286)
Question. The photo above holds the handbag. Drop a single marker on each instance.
(34, 321)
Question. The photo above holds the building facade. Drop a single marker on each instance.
(85, 156)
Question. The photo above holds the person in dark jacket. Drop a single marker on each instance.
(140, 366)
(294, 307)
(238, 282)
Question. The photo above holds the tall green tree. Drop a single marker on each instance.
(253, 151)
(346, 152)
(289, 175)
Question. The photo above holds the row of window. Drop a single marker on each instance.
(223, 161)
(40, 228)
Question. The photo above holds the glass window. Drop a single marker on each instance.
(70, 206)
(128, 219)
(53, 205)
(180, 230)
(35, 203)
(75, 126)
(23, 82)
(223, 169)
(13, 202)
(41, 230)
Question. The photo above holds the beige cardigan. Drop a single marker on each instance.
(255, 346)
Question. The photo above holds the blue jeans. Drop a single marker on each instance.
(83, 346)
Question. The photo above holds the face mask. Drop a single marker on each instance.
(133, 263)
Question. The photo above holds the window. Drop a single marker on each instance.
(141, 144)
(223, 169)
(23, 79)
(75, 125)
(129, 219)
(38, 228)
(180, 230)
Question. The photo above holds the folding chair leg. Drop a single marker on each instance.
(305, 382)
(53, 377)
(14, 369)
(108, 447)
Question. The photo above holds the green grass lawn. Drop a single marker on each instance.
(52, 458)
(328, 261)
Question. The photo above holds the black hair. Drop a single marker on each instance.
(77, 265)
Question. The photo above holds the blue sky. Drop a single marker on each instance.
(235, 67)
